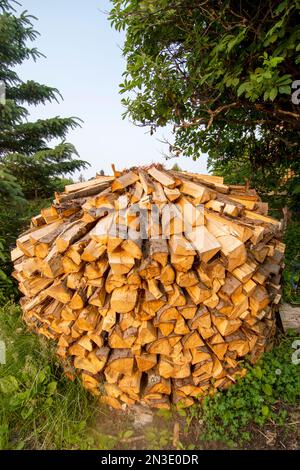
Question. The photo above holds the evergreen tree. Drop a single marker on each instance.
(25, 149)
(176, 167)
(29, 166)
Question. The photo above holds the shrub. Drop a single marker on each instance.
(260, 396)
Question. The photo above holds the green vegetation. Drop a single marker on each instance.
(291, 273)
(158, 439)
(176, 167)
(30, 168)
(222, 74)
(263, 396)
(39, 407)
(25, 152)
(42, 409)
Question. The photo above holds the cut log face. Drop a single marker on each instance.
(154, 284)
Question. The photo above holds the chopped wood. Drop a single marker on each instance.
(125, 180)
(153, 283)
(200, 193)
(146, 182)
(71, 188)
(290, 317)
(162, 177)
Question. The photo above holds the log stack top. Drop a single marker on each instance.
(154, 283)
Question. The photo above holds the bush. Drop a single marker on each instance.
(13, 221)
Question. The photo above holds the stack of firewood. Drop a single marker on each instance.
(154, 283)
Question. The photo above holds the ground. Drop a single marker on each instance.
(40, 408)
(143, 428)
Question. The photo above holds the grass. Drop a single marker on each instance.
(39, 407)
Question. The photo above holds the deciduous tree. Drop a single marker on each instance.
(222, 72)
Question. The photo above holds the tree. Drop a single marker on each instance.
(29, 166)
(224, 73)
(176, 167)
(25, 150)
(11, 202)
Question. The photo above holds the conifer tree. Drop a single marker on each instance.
(30, 166)
(25, 146)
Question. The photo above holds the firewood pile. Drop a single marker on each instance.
(154, 284)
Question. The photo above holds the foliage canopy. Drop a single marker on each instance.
(222, 72)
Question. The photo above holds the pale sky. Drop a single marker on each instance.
(84, 61)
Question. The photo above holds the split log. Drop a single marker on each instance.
(153, 283)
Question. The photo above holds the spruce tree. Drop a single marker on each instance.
(29, 166)
(25, 149)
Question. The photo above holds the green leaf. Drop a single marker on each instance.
(20, 445)
(3, 436)
(296, 190)
(267, 74)
(273, 38)
(258, 372)
(265, 410)
(191, 447)
(285, 89)
(181, 411)
(281, 7)
(49, 401)
(242, 88)
(267, 389)
(51, 388)
(273, 93)
(284, 80)
(164, 413)
(26, 412)
(8, 384)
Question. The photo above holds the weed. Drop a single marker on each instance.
(157, 439)
(182, 446)
(164, 413)
(259, 397)
(39, 407)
